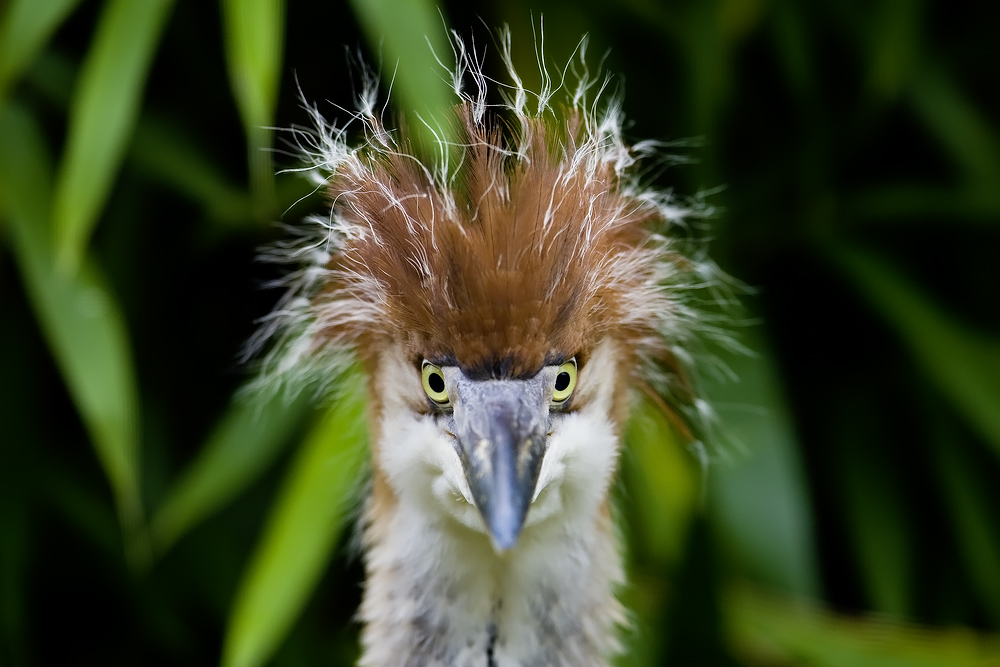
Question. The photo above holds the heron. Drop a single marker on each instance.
(508, 301)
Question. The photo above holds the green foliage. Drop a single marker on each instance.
(254, 37)
(308, 517)
(80, 318)
(853, 152)
(102, 114)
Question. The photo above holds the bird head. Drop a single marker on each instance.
(504, 309)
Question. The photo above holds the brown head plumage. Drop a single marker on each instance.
(539, 244)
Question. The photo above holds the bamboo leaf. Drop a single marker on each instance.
(663, 484)
(966, 367)
(24, 29)
(758, 498)
(80, 318)
(959, 127)
(770, 630)
(165, 153)
(254, 34)
(893, 41)
(246, 440)
(968, 497)
(407, 34)
(877, 521)
(102, 115)
(306, 521)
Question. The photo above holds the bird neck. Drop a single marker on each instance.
(438, 595)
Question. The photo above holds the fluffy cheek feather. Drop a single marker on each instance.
(582, 452)
(416, 455)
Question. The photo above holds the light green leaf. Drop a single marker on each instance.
(775, 631)
(80, 318)
(966, 367)
(757, 494)
(102, 114)
(247, 439)
(407, 34)
(25, 27)
(663, 485)
(306, 521)
(254, 34)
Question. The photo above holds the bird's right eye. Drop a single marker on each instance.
(433, 380)
(565, 383)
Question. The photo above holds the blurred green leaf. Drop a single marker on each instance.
(81, 320)
(775, 631)
(967, 496)
(758, 495)
(663, 486)
(307, 518)
(894, 43)
(254, 37)
(790, 37)
(959, 127)
(965, 366)
(102, 115)
(247, 439)
(903, 202)
(170, 157)
(407, 34)
(25, 27)
(876, 516)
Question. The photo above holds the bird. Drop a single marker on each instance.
(508, 303)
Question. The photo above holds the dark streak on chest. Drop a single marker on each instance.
(491, 642)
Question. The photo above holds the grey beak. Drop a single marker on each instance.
(501, 428)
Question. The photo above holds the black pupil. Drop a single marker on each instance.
(562, 381)
(435, 382)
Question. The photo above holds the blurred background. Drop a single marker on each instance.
(850, 512)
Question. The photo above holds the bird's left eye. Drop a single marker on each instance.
(434, 386)
(565, 383)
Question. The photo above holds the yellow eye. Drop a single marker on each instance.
(434, 383)
(565, 382)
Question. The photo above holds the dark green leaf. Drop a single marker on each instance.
(877, 520)
(80, 317)
(959, 127)
(245, 442)
(25, 27)
(171, 158)
(965, 366)
(968, 498)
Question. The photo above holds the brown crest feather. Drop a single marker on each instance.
(517, 271)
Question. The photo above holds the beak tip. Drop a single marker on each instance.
(504, 541)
